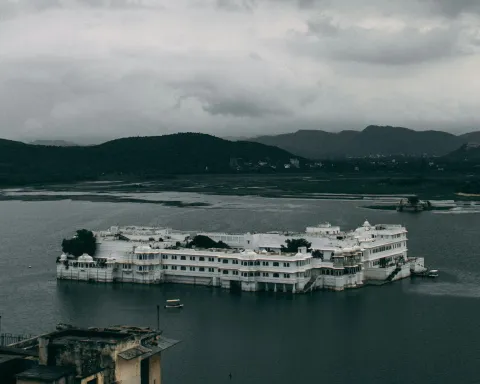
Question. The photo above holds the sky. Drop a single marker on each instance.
(100, 69)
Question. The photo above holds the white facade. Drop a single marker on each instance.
(338, 260)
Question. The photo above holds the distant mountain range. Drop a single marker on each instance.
(54, 143)
(373, 140)
(180, 153)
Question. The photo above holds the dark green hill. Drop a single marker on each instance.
(180, 153)
(466, 153)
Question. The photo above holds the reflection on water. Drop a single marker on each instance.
(413, 331)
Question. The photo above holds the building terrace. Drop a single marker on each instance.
(120, 354)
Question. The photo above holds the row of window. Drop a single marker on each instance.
(386, 247)
(193, 258)
(145, 256)
(333, 272)
(225, 261)
(265, 274)
(235, 261)
(83, 265)
(145, 268)
(225, 271)
(141, 268)
(183, 268)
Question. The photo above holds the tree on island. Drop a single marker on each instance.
(83, 242)
(206, 242)
(294, 244)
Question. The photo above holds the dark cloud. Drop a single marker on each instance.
(452, 8)
(233, 67)
(233, 100)
(404, 46)
(242, 108)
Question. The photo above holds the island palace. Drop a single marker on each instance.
(336, 259)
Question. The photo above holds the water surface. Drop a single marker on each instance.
(413, 331)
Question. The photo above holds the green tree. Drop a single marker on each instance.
(201, 241)
(83, 242)
(294, 244)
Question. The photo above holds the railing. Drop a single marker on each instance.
(9, 338)
(394, 273)
(310, 283)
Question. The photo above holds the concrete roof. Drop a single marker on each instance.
(5, 358)
(17, 351)
(45, 373)
(149, 349)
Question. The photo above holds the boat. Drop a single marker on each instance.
(174, 303)
(433, 273)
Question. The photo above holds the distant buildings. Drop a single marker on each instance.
(240, 164)
(295, 163)
(126, 355)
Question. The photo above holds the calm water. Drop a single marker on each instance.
(408, 332)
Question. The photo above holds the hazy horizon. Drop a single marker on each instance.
(92, 70)
(94, 140)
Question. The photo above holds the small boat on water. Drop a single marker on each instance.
(432, 273)
(427, 273)
(174, 303)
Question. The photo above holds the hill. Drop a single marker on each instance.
(471, 137)
(372, 141)
(466, 153)
(137, 157)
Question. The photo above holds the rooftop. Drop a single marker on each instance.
(148, 348)
(45, 373)
(4, 358)
(149, 341)
(10, 353)
(68, 336)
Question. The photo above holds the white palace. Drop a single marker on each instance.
(336, 260)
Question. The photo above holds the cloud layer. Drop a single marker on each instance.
(109, 68)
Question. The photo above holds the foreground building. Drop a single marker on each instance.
(114, 355)
(337, 260)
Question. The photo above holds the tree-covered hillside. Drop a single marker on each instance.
(180, 153)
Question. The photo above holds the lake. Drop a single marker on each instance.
(412, 331)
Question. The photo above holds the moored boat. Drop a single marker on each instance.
(432, 273)
(174, 303)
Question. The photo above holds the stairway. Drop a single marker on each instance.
(309, 285)
(394, 273)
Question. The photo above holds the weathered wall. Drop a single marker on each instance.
(88, 358)
(128, 371)
(98, 376)
(155, 370)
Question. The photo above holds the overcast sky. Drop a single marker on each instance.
(111, 68)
